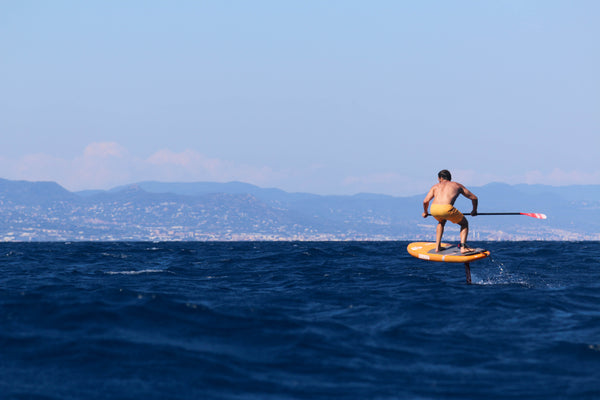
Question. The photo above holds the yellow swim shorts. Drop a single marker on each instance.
(443, 212)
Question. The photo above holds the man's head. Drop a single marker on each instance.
(445, 174)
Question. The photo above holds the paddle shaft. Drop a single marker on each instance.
(500, 213)
(533, 215)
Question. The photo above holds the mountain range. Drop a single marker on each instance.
(45, 211)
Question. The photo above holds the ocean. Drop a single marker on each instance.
(297, 320)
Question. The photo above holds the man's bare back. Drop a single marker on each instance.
(446, 192)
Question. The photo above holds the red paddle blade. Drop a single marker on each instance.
(535, 215)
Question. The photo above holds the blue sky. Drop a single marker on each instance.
(329, 97)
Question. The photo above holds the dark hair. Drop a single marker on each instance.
(445, 174)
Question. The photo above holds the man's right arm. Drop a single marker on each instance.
(426, 201)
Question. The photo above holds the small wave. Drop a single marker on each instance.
(122, 256)
(143, 271)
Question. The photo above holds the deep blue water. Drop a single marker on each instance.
(297, 321)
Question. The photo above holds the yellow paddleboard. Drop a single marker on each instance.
(426, 251)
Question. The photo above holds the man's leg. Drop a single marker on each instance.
(464, 233)
(439, 231)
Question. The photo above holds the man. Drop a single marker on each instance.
(444, 194)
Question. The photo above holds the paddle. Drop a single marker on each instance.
(533, 215)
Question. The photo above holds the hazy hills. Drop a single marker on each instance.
(240, 211)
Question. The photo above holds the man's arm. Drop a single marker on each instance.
(426, 202)
(469, 195)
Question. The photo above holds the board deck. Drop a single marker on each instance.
(426, 251)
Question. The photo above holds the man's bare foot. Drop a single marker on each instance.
(465, 249)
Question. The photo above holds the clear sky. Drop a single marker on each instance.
(323, 96)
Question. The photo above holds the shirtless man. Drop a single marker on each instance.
(444, 195)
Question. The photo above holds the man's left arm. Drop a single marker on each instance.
(474, 200)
